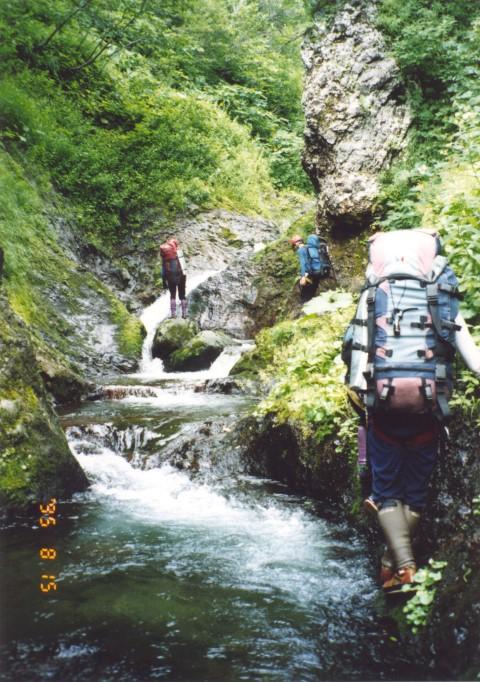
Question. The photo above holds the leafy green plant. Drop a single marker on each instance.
(417, 609)
(303, 357)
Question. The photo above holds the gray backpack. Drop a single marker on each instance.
(400, 345)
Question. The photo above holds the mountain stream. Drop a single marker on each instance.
(164, 573)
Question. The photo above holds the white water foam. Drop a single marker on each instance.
(259, 542)
(219, 369)
(167, 495)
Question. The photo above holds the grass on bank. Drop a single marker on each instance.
(186, 106)
(38, 276)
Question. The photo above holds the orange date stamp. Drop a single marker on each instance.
(47, 520)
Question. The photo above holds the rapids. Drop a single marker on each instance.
(167, 574)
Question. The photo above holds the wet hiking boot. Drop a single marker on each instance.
(173, 308)
(387, 566)
(369, 506)
(404, 576)
(184, 309)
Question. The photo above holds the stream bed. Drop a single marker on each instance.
(185, 574)
(167, 575)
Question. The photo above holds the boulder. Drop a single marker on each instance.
(356, 115)
(35, 460)
(225, 300)
(198, 353)
(172, 335)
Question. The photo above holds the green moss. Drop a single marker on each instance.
(231, 238)
(302, 357)
(36, 266)
(198, 353)
(34, 457)
(131, 331)
(191, 351)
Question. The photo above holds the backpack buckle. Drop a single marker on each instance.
(427, 391)
(432, 293)
(368, 373)
(386, 391)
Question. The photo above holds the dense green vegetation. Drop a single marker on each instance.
(438, 183)
(302, 356)
(117, 118)
(38, 273)
(143, 110)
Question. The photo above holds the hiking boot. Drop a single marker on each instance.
(386, 574)
(184, 308)
(404, 576)
(369, 506)
(173, 308)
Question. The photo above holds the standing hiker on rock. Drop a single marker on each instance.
(399, 349)
(314, 263)
(174, 275)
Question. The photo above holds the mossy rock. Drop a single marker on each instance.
(198, 353)
(35, 460)
(171, 336)
(249, 365)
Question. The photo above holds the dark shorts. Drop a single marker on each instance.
(309, 290)
(174, 283)
(402, 465)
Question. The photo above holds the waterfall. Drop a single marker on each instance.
(154, 314)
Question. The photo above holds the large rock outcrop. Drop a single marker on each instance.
(356, 116)
(35, 460)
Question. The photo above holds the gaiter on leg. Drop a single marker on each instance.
(413, 519)
(393, 522)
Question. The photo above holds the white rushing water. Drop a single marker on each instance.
(156, 313)
(257, 540)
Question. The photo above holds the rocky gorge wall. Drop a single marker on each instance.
(357, 118)
(35, 460)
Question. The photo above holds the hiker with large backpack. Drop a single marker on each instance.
(174, 275)
(399, 350)
(314, 262)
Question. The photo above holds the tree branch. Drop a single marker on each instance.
(60, 26)
(107, 42)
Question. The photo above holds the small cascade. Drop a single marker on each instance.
(154, 314)
(125, 441)
(121, 392)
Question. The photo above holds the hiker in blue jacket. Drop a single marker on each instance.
(314, 263)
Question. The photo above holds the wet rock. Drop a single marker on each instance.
(225, 301)
(203, 448)
(226, 386)
(35, 461)
(61, 380)
(356, 116)
(211, 240)
(280, 451)
(172, 335)
(198, 353)
(450, 532)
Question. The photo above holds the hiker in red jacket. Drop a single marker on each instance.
(174, 275)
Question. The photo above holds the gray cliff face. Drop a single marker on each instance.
(356, 121)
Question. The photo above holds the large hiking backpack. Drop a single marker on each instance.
(317, 256)
(399, 347)
(168, 250)
(170, 260)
